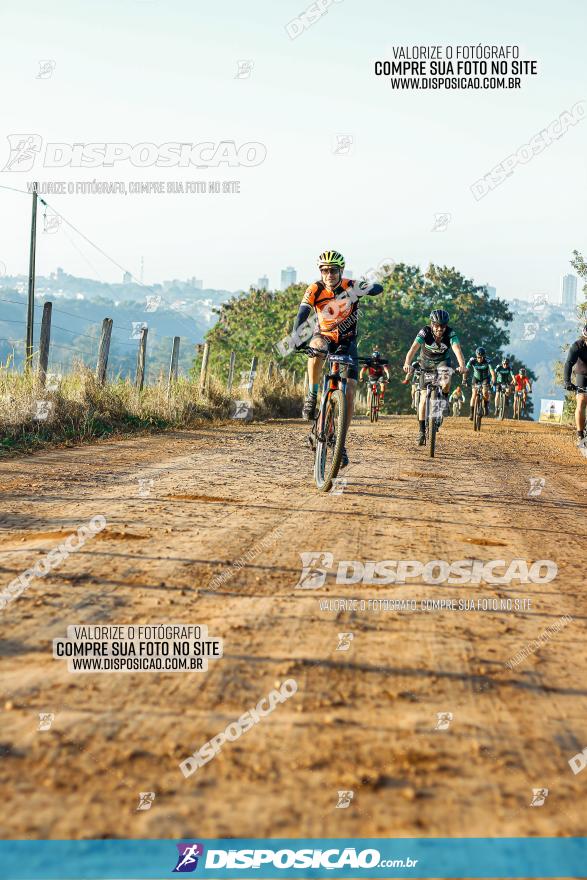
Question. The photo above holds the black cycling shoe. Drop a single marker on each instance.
(580, 438)
(422, 438)
(345, 459)
(309, 409)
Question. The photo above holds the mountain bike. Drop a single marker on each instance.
(373, 395)
(434, 407)
(519, 404)
(480, 407)
(329, 428)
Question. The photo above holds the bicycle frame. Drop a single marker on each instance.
(332, 380)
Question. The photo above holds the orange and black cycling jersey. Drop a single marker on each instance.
(336, 310)
(522, 382)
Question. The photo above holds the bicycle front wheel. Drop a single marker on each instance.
(431, 423)
(330, 443)
(478, 412)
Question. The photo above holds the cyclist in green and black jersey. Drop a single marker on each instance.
(483, 374)
(435, 343)
(504, 376)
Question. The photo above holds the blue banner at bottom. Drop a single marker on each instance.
(304, 858)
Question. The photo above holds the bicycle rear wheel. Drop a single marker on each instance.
(431, 423)
(330, 441)
(497, 404)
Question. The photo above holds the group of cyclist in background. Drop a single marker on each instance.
(335, 301)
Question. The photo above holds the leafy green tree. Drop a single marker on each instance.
(252, 323)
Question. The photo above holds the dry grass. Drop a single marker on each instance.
(78, 409)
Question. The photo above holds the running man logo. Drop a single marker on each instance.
(344, 641)
(344, 799)
(343, 145)
(578, 762)
(146, 799)
(244, 68)
(23, 151)
(152, 303)
(314, 565)
(46, 719)
(137, 328)
(187, 860)
(444, 719)
(51, 223)
(539, 301)
(338, 485)
(539, 795)
(43, 410)
(537, 484)
(441, 221)
(241, 409)
(46, 68)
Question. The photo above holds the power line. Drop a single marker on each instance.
(24, 191)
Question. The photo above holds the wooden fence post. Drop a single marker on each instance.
(103, 350)
(252, 374)
(141, 357)
(173, 364)
(204, 370)
(230, 371)
(44, 342)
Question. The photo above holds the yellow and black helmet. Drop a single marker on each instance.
(331, 258)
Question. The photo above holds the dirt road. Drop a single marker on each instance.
(363, 720)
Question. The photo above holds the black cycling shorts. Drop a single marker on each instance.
(581, 383)
(348, 346)
(475, 382)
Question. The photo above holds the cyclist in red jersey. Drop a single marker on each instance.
(522, 381)
(376, 367)
(522, 385)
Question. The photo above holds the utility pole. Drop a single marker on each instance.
(30, 317)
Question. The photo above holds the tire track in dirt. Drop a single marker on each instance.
(362, 720)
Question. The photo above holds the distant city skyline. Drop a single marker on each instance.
(572, 282)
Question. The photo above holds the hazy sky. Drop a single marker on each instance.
(151, 71)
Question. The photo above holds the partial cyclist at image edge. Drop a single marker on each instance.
(577, 361)
(335, 301)
(435, 342)
(483, 375)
